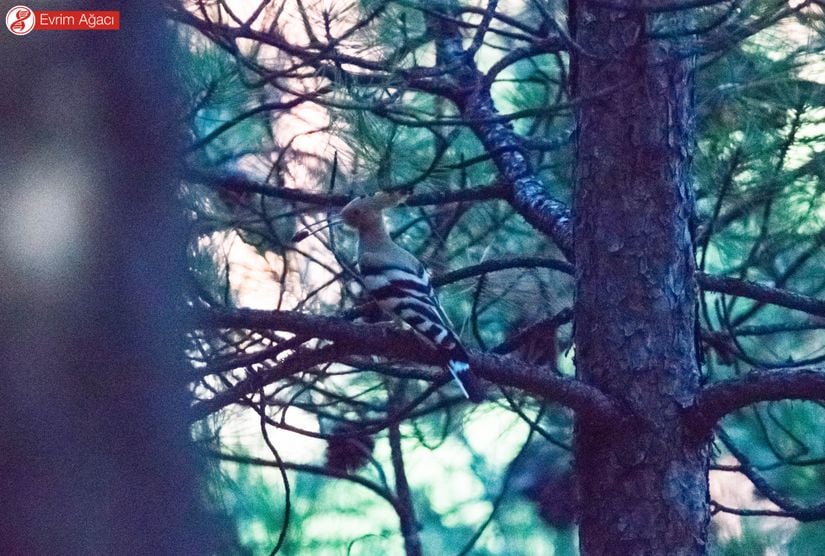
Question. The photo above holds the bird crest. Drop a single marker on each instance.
(365, 212)
(361, 211)
(378, 201)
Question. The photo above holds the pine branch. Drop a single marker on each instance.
(788, 506)
(494, 265)
(241, 184)
(350, 339)
(761, 293)
(308, 468)
(405, 507)
(719, 399)
(475, 106)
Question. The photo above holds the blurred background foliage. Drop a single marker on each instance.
(500, 472)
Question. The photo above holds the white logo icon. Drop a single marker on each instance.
(20, 20)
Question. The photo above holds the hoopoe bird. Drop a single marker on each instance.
(400, 284)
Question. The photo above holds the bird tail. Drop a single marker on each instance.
(467, 381)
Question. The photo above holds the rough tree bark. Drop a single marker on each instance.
(641, 411)
(644, 486)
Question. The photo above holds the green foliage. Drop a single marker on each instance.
(759, 179)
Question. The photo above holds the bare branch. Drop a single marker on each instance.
(405, 508)
(385, 341)
(788, 507)
(760, 292)
(240, 183)
(656, 6)
(475, 106)
(308, 468)
(502, 264)
(807, 514)
(717, 400)
(229, 124)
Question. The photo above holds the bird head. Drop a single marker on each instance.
(362, 213)
(365, 212)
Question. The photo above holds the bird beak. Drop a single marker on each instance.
(313, 229)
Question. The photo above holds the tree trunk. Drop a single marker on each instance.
(643, 485)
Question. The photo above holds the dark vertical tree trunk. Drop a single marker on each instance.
(643, 486)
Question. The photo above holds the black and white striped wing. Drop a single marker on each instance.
(405, 291)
